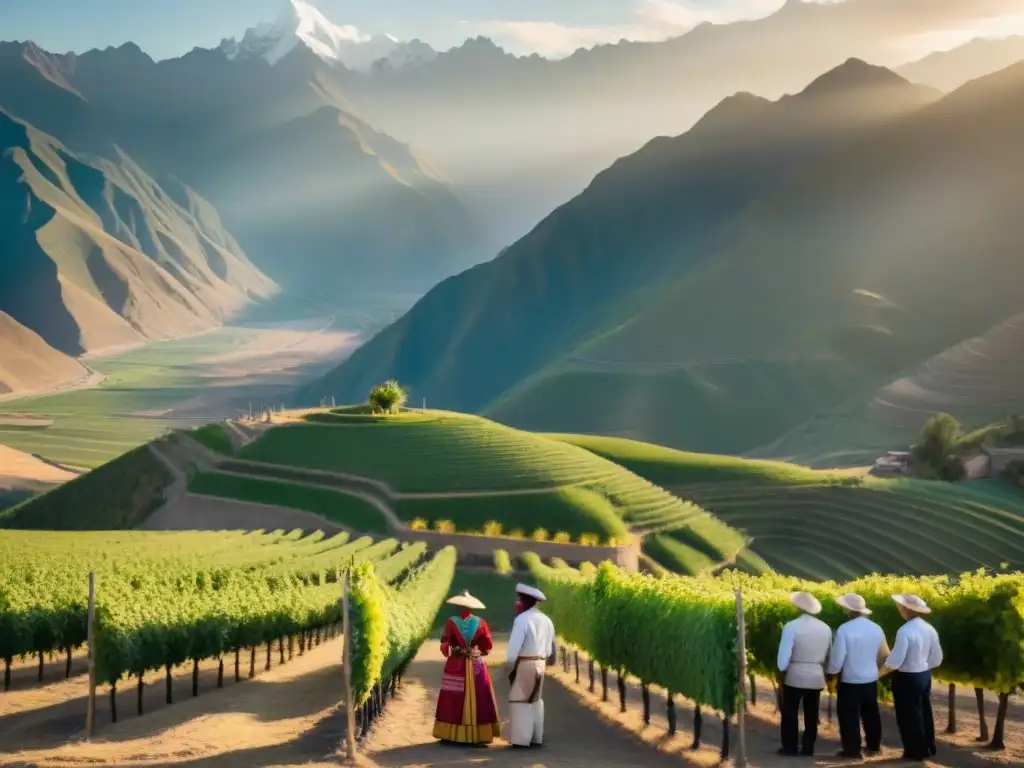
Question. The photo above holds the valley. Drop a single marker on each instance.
(141, 393)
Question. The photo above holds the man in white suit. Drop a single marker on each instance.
(531, 647)
(802, 653)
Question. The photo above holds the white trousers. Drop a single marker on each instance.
(526, 723)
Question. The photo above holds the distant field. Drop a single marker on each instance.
(167, 385)
(473, 471)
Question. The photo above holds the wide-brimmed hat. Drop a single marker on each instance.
(466, 600)
(854, 602)
(526, 589)
(912, 603)
(806, 602)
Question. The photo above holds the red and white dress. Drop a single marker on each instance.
(467, 712)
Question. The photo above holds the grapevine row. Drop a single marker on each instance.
(680, 632)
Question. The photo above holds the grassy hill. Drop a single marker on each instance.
(835, 524)
(471, 471)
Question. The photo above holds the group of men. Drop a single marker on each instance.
(859, 657)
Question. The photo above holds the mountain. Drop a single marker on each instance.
(96, 254)
(581, 271)
(301, 23)
(314, 193)
(948, 70)
(28, 363)
(862, 266)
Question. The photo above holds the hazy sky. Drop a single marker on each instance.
(167, 28)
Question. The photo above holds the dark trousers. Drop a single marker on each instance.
(911, 698)
(792, 699)
(858, 703)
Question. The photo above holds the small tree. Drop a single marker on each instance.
(388, 397)
(937, 444)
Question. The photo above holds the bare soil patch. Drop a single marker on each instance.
(19, 469)
(287, 716)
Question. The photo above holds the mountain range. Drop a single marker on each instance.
(99, 255)
(716, 289)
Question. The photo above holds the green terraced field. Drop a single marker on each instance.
(442, 453)
(903, 526)
(671, 467)
(343, 509)
(828, 524)
(93, 426)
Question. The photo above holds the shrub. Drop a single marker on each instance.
(540, 535)
(388, 397)
(419, 524)
(502, 562)
(492, 529)
(444, 526)
(589, 540)
(516, 533)
(562, 538)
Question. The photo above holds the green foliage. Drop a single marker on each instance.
(675, 555)
(502, 562)
(116, 496)
(670, 632)
(389, 397)
(636, 623)
(934, 449)
(214, 438)
(388, 626)
(163, 598)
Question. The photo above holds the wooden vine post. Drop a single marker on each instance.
(741, 635)
(346, 661)
(90, 635)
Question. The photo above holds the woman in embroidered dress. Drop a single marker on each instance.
(467, 712)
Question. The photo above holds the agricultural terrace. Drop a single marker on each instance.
(165, 599)
(792, 513)
(630, 622)
(118, 495)
(440, 466)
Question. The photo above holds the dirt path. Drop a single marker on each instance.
(582, 731)
(287, 716)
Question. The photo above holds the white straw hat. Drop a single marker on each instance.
(912, 603)
(525, 589)
(466, 600)
(854, 602)
(806, 602)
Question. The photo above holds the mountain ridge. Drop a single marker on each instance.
(655, 205)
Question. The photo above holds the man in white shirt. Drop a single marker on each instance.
(531, 646)
(802, 655)
(860, 647)
(915, 654)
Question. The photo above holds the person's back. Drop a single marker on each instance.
(858, 650)
(805, 645)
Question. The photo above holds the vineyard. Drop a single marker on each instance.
(167, 599)
(630, 624)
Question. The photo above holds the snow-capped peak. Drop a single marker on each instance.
(300, 22)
